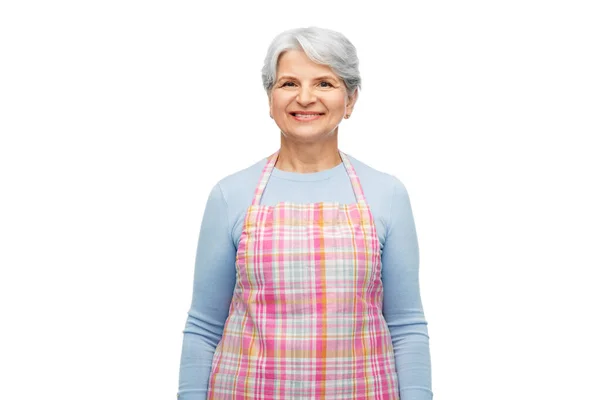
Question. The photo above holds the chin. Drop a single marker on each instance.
(307, 136)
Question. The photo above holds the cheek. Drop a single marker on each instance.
(336, 103)
(278, 109)
(279, 103)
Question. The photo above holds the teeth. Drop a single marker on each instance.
(306, 115)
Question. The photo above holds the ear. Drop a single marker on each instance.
(270, 105)
(351, 101)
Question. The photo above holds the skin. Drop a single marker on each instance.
(308, 146)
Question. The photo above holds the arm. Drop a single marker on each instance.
(214, 281)
(402, 308)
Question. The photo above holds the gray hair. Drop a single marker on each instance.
(322, 46)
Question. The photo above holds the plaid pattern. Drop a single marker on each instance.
(305, 321)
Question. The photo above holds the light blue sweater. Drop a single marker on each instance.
(214, 276)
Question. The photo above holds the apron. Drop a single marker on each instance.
(305, 320)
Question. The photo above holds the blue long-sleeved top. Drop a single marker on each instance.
(215, 275)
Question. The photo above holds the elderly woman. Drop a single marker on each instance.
(306, 280)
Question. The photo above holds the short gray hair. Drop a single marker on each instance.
(322, 46)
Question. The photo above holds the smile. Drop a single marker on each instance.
(305, 117)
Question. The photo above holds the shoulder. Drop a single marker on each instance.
(236, 190)
(241, 184)
(384, 193)
(231, 195)
(376, 182)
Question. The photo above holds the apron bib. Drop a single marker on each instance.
(305, 320)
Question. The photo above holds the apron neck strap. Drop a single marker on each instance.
(270, 165)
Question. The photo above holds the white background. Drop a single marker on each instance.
(118, 117)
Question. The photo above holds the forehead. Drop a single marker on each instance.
(297, 63)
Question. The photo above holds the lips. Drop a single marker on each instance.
(308, 113)
(306, 117)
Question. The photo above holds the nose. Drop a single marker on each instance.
(305, 96)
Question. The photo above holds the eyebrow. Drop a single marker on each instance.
(316, 79)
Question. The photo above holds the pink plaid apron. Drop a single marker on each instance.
(305, 321)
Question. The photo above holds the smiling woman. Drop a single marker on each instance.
(307, 100)
(306, 278)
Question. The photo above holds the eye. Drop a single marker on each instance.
(286, 83)
(326, 83)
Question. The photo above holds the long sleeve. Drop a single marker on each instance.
(214, 281)
(402, 307)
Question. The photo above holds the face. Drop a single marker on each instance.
(308, 100)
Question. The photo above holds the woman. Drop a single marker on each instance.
(306, 280)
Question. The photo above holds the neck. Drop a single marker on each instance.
(308, 157)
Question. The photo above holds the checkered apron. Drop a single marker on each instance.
(305, 321)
